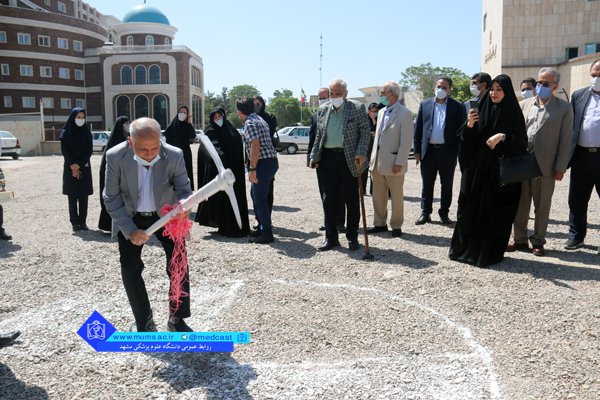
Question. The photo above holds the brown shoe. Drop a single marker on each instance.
(538, 251)
(514, 246)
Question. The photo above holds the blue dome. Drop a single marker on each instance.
(145, 13)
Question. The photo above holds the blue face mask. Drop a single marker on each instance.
(145, 163)
(543, 92)
(384, 100)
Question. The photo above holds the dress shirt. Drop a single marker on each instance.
(145, 190)
(334, 136)
(534, 121)
(590, 129)
(439, 123)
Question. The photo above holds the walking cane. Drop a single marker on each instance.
(361, 194)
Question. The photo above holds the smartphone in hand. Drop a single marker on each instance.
(473, 104)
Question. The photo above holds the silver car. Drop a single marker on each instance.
(99, 140)
(9, 145)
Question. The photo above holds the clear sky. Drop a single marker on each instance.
(275, 44)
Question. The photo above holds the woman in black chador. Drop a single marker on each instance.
(76, 145)
(217, 211)
(486, 210)
(118, 135)
(180, 133)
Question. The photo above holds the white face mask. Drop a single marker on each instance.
(182, 116)
(595, 81)
(323, 101)
(440, 93)
(145, 163)
(79, 122)
(527, 93)
(219, 122)
(474, 91)
(126, 129)
(337, 101)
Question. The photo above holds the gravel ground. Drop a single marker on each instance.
(409, 325)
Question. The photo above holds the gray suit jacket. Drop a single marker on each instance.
(356, 133)
(169, 177)
(552, 141)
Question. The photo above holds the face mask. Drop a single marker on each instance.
(595, 81)
(384, 100)
(440, 93)
(126, 128)
(145, 163)
(182, 116)
(79, 122)
(323, 101)
(219, 122)
(543, 92)
(337, 102)
(474, 91)
(528, 93)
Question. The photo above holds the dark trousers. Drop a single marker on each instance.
(78, 216)
(335, 173)
(131, 272)
(269, 199)
(585, 175)
(265, 172)
(340, 216)
(1, 216)
(442, 161)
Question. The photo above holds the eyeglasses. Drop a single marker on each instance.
(544, 83)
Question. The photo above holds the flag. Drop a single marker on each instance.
(302, 97)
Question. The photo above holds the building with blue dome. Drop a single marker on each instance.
(146, 13)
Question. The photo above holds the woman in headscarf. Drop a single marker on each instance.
(118, 135)
(76, 145)
(180, 133)
(486, 210)
(217, 211)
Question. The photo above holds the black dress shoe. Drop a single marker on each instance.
(4, 235)
(178, 325)
(353, 244)
(423, 219)
(445, 220)
(328, 245)
(149, 326)
(377, 229)
(8, 338)
(322, 228)
(83, 227)
(76, 227)
(396, 232)
(254, 233)
(262, 239)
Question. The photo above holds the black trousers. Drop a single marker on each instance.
(132, 267)
(269, 199)
(340, 216)
(78, 216)
(585, 175)
(335, 174)
(440, 161)
(1, 216)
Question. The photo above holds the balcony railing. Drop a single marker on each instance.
(163, 48)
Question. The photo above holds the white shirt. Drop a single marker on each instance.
(590, 129)
(439, 123)
(145, 190)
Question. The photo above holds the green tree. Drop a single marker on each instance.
(461, 89)
(283, 93)
(286, 110)
(235, 93)
(423, 77)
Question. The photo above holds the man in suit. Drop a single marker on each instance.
(549, 123)
(389, 159)
(585, 161)
(480, 83)
(339, 150)
(436, 147)
(142, 175)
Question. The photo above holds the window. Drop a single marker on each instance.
(78, 74)
(46, 72)
(65, 103)
(26, 70)
(2, 37)
(28, 102)
(149, 40)
(77, 45)
(48, 102)
(571, 52)
(196, 77)
(167, 41)
(44, 41)
(123, 106)
(62, 7)
(5, 69)
(126, 75)
(159, 110)
(154, 75)
(140, 75)
(63, 43)
(591, 48)
(47, 2)
(64, 73)
(141, 106)
(484, 21)
(24, 38)
(7, 101)
(129, 40)
(80, 103)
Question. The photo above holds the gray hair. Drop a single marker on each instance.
(394, 87)
(144, 127)
(554, 72)
(336, 82)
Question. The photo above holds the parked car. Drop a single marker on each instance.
(9, 145)
(293, 138)
(99, 139)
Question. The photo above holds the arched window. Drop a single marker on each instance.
(123, 106)
(140, 75)
(126, 75)
(111, 38)
(149, 40)
(154, 74)
(159, 110)
(167, 41)
(129, 40)
(141, 106)
(197, 111)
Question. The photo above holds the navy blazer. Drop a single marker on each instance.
(455, 118)
(579, 100)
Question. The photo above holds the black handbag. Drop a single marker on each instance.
(519, 168)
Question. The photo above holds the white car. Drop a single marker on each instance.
(100, 138)
(9, 145)
(293, 138)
